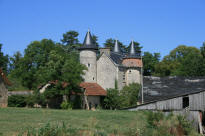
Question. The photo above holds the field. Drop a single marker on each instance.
(14, 121)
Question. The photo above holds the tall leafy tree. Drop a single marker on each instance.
(4, 60)
(182, 61)
(149, 62)
(70, 40)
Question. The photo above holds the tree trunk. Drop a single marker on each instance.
(86, 101)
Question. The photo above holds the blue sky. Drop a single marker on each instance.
(158, 25)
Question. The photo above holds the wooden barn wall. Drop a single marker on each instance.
(197, 101)
(171, 104)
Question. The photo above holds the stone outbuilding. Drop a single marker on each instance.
(93, 95)
(3, 90)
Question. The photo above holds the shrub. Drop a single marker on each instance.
(17, 101)
(66, 105)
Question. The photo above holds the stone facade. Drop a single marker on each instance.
(112, 67)
(106, 72)
(88, 58)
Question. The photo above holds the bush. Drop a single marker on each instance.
(17, 101)
(66, 105)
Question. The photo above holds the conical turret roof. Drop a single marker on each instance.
(88, 42)
(117, 47)
(132, 49)
(132, 52)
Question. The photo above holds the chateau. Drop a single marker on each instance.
(110, 68)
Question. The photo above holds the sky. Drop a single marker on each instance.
(158, 25)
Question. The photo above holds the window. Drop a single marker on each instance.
(129, 71)
(185, 101)
(93, 78)
(88, 64)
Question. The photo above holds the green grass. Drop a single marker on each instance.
(15, 120)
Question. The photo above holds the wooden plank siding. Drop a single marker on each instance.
(197, 101)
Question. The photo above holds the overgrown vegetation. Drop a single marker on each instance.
(126, 97)
(42, 122)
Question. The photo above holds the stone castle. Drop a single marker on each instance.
(110, 68)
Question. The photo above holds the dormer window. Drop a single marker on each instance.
(88, 64)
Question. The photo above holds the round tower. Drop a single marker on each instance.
(133, 63)
(88, 58)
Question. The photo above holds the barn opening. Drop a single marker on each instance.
(185, 101)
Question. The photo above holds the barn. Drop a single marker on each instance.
(178, 95)
(3, 90)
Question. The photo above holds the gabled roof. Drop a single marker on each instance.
(93, 89)
(116, 57)
(3, 76)
(157, 88)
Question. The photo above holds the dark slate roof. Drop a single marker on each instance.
(157, 88)
(116, 57)
(88, 42)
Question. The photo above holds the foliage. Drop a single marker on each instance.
(17, 101)
(182, 61)
(170, 125)
(129, 95)
(66, 105)
(126, 97)
(112, 100)
(136, 46)
(110, 43)
(149, 62)
(4, 60)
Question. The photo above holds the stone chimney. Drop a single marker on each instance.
(105, 50)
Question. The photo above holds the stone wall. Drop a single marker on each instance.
(132, 76)
(88, 58)
(106, 72)
(3, 94)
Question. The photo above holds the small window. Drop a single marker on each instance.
(88, 64)
(185, 102)
(130, 71)
(93, 78)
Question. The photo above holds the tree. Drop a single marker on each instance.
(149, 62)
(126, 97)
(202, 49)
(70, 40)
(4, 60)
(182, 61)
(95, 39)
(136, 45)
(112, 100)
(129, 95)
(110, 43)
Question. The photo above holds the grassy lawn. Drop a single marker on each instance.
(15, 120)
